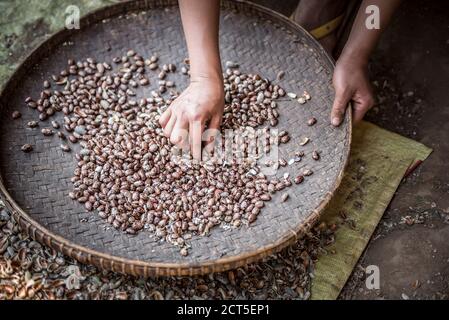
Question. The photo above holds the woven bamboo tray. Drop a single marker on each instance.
(34, 186)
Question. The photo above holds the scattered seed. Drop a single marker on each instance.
(171, 67)
(284, 197)
(122, 150)
(311, 121)
(27, 147)
(47, 131)
(154, 59)
(299, 179)
(144, 82)
(231, 64)
(285, 139)
(292, 95)
(184, 252)
(315, 155)
(32, 124)
(16, 115)
(65, 147)
(55, 124)
(306, 95)
(307, 172)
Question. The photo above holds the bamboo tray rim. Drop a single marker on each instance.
(149, 268)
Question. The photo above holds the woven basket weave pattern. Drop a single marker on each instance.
(261, 42)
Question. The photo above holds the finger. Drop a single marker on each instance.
(169, 127)
(342, 98)
(163, 120)
(361, 107)
(212, 132)
(180, 133)
(195, 132)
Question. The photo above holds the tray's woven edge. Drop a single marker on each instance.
(141, 268)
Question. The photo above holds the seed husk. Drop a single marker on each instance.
(304, 141)
(280, 75)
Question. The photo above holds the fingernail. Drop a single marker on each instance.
(336, 121)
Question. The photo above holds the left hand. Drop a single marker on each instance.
(351, 83)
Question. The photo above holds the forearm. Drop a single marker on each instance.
(362, 41)
(200, 19)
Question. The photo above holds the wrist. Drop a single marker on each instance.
(213, 76)
(358, 58)
(209, 78)
(210, 85)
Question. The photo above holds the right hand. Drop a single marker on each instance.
(201, 104)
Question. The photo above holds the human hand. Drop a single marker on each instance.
(201, 104)
(351, 83)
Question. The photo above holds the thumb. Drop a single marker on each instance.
(342, 98)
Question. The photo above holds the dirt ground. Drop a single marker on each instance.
(413, 257)
(410, 71)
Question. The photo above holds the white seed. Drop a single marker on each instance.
(302, 100)
(231, 64)
(284, 197)
(307, 172)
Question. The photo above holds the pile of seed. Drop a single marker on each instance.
(29, 270)
(125, 170)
